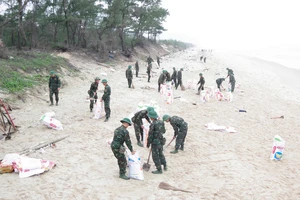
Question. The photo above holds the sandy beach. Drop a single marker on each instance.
(214, 165)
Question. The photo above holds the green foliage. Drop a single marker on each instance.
(13, 78)
(176, 44)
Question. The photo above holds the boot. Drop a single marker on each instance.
(165, 167)
(91, 110)
(175, 151)
(159, 171)
(181, 148)
(198, 93)
(123, 176)
(51, 103)
(56, 104)
(140, 144)
(106, 120)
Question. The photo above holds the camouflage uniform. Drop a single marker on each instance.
(158, 60)
(129, 76)
(157, 129)
(179, 79)
(54, 84)
(202, 82)
(93, 94)
(137, 121)
(180, 130)
(168, 77)
(121, 135)
(161, 80)
(106, 99)
(232, 82)
(137, 68)
(149, 71)
(174, 77)
(230, 71)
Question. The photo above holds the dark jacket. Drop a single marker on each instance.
(121, 135)
(54, 82)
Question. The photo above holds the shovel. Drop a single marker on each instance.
(170, 142)
(146, 166)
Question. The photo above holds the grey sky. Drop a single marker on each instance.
(234, 23)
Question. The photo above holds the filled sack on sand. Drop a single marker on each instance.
(215, 127)
(278, 147)
(48, 120)
(99, 111)
(135, 166)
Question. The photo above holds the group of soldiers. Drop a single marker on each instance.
(157, 126)
(219, 81)
(155, 138)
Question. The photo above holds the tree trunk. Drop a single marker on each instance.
(65, 2)
(19, 46)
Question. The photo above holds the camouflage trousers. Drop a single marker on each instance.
(181, 137)
(92, 102)
(55, 92)
(138, 132)
(179, 82)
(158, 156)
(107, 108)
(121, 160)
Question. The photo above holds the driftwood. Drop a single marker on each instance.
(40, 98)
(166, 186)
(41, 145)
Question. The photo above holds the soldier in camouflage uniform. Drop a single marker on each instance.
(179, 78)
(180, 130)
(54, 87)
(156, 140)
(230, 71)
(162, 79)
(121, 135)
(149, 68)
(129, 76)
(106, 99)
(93, 93)
(137, 119)
(149, 60)
(174, 76)
(137, 68)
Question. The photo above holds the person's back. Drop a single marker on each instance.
(161, 78)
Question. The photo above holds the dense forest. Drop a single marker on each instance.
(96, 25)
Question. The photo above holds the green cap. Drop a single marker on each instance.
(174, 68)
(166, 117)
(97, 78)
(152, 114)
(165, 71)
(104, 81)
(129, 67)
(200, 74)
(52, 72)
(149, 109)
(126, 120)
(227, 68)
(181, 69)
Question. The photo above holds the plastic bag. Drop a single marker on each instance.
(50, 122)
(277, 149)
(135, 167)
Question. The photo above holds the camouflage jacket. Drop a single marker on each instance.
(121, 135)
(231, 78)
(230, 71)
(149, 60)
(107, 92)
(201, 81)
(94, 87)
(178, 124)
(168, 77)
(179, 75)
(156, 131)
(54, 82)
(137, 66)
(149, 69)
(129, 74)
(137, 118)
(162, 78)
(174, 75)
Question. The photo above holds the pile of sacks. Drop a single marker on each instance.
(25, 166)
(48, 120)
(166, 90)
